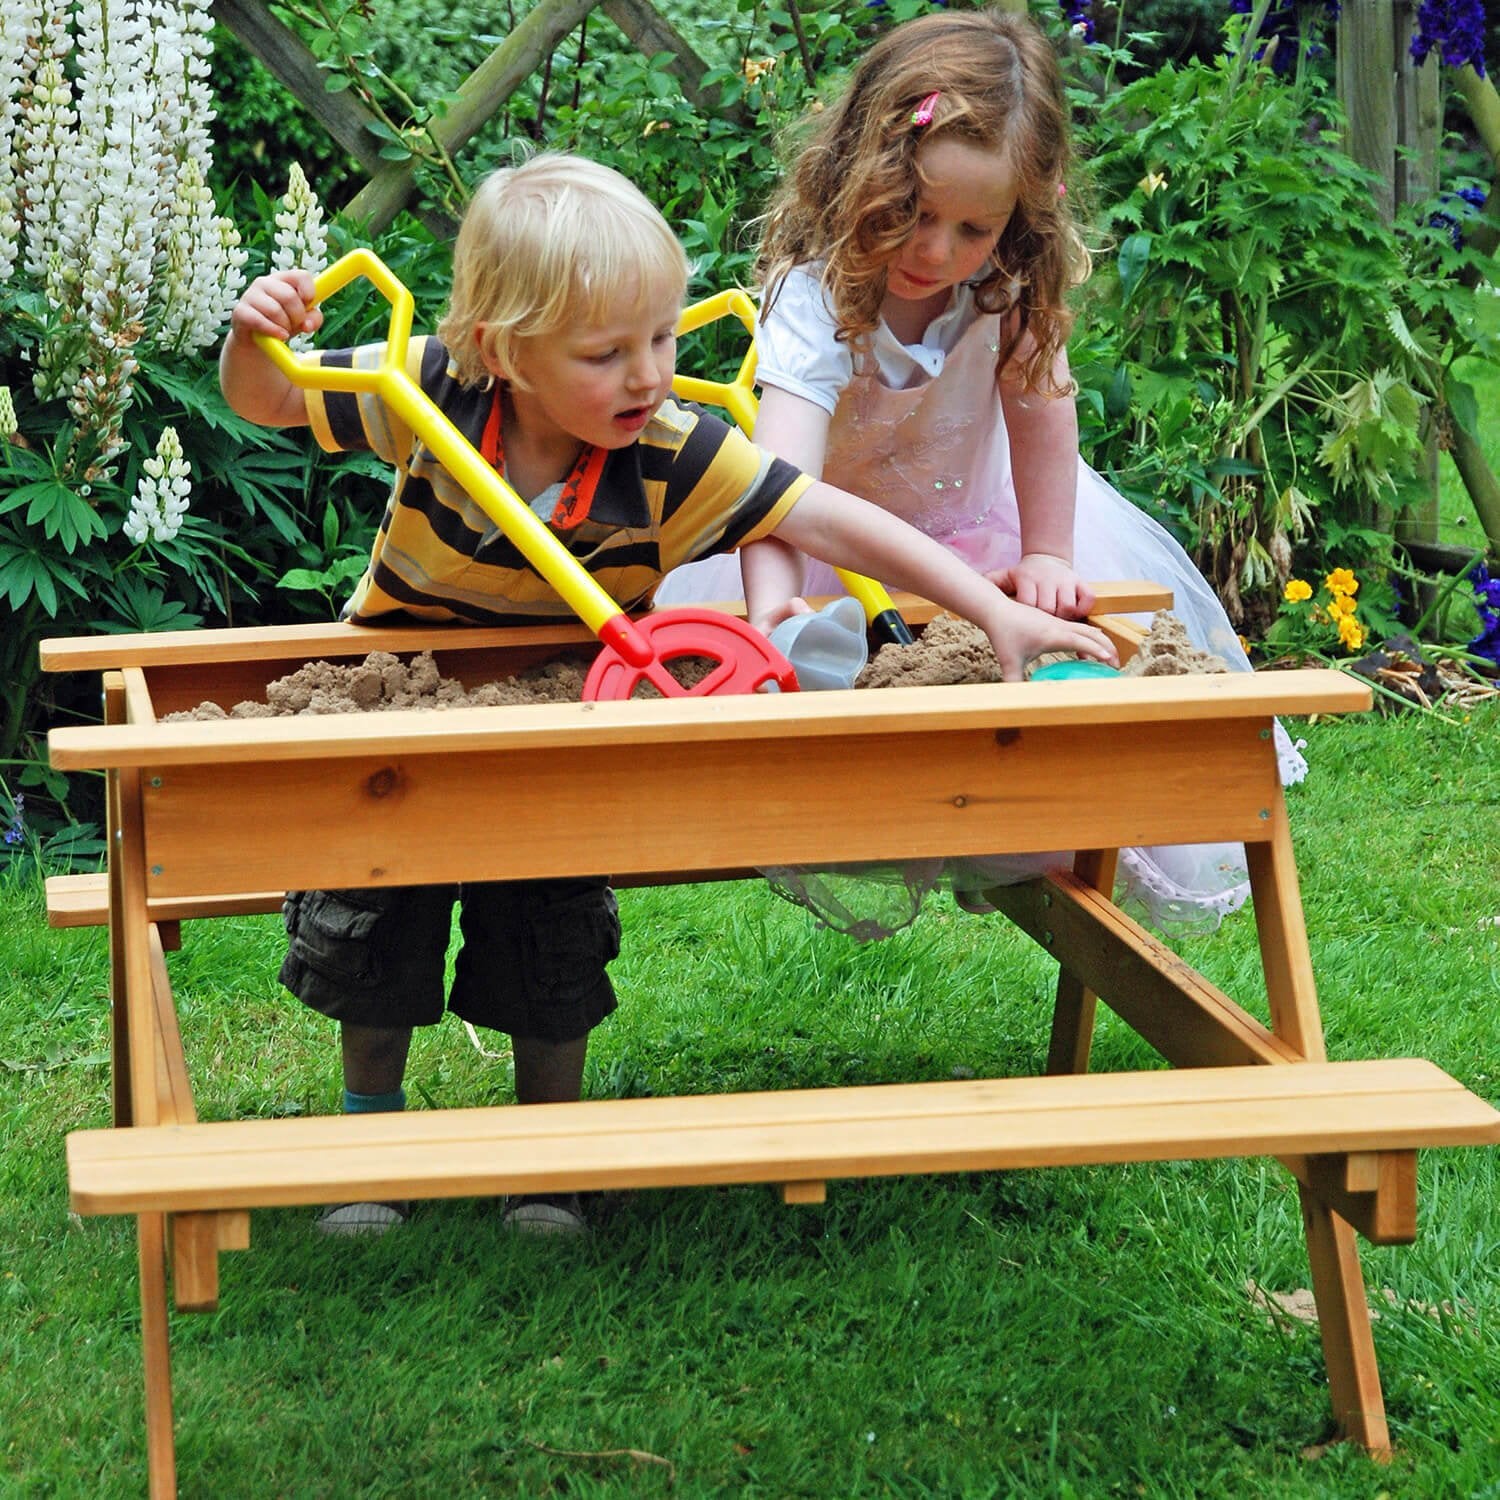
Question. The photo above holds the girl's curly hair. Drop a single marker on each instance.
(850, 196)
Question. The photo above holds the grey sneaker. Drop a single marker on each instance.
(362, 1218)
(545, 1213)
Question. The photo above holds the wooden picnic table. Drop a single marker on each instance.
(207, 818)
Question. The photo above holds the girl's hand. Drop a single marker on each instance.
(1019, 633)
(280, 305)
(767, 622)
(1048, 583)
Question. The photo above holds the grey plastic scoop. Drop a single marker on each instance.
(827, 648)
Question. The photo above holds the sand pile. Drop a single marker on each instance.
(949, 651)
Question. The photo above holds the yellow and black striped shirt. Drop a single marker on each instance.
(690, 486)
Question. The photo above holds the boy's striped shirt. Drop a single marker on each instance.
(690, 486)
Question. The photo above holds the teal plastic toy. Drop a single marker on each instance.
(1063, 671)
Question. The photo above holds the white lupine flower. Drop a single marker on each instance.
(179, 53)
(47, 186)
(121, 152)
(18, 20)
(9, 427)
(104, 198)
(137, 525)
(301, 240)
(161, 498)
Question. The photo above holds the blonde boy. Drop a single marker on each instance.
(555, 359)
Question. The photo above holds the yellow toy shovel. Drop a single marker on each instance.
(737, 397)
(633, 650)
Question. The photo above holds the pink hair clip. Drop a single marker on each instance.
(922, 114)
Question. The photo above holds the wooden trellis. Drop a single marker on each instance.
(392, 184)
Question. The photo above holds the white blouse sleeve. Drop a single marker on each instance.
(795, 346)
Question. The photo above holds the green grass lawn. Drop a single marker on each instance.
(1082, 1332)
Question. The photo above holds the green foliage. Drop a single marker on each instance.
(1445, 307)
(266, 506)
(1238, 375)
(260, 128)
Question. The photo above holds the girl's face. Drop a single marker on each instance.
(599, 383)
(966, 199)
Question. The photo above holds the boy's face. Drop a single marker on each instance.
(598, 383)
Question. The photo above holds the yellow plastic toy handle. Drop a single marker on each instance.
(456, 453)
(737, 397)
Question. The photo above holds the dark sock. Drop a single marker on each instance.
(373, 1104)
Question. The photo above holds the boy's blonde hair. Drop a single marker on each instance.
(556, 242)
(850, 197)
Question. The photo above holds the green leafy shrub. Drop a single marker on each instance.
(1239, 377)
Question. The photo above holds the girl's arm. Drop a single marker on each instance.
(843, 529)
(1044, 463)
(280, 305)
(796, 429)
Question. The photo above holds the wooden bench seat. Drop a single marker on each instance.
(1368, 1108)
(83, 900)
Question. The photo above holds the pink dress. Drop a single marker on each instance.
(919, 429)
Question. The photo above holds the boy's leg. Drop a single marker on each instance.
(373, 961)
(374, 1058)
(548, 1072)
(533, 965)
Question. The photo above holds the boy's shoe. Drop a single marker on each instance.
(545, 1213)
(362, 1218)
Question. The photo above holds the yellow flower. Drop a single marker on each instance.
(1341, 605)
(756, 68)
(1296, 591)
(1151, 182)
(652, 126)
(1351, 632)
(1341, 581)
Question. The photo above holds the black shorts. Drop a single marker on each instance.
(532, 961)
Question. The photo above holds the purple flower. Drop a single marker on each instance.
(1473, 198)
(1079, 17)
(1283, 25)
(1487, 601)
(1455, 28)
(17, 830)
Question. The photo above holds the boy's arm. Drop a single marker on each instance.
(796, 429)
(279, 305)
(1044, 464)
(848, 532)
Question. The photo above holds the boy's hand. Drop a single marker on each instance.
(280, 305)
(1048, 583)
(1019, 633)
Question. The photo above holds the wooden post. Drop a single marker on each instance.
(503, 72)
(480, 95)
(1365, 68)
(1394, 113)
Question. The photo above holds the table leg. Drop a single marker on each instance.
(161, 1456)
(1332, 1254)
(1282, 931)
(1073, 1011)
(119, 1028)
(1344, 1327)
(136, 1007)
